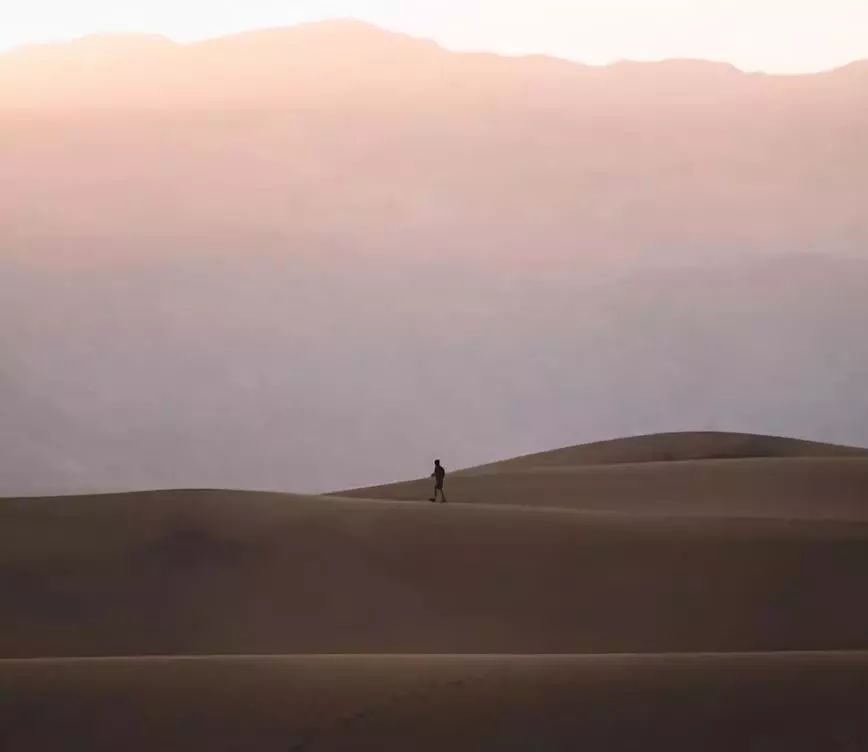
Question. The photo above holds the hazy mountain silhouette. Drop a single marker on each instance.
(314, 257)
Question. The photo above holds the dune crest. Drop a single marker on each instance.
(681, 446)
(705, 474)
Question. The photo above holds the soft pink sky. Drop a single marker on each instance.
(784, 36)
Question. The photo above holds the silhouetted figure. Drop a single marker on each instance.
(439, 476)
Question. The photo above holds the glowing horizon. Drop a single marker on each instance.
(774, 36)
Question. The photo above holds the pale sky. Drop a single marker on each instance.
(786, 36)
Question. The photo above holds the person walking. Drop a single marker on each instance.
(439, 476)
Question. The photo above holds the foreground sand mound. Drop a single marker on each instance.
(774, 703)
(234, 573)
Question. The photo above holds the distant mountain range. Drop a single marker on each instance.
(310, 258)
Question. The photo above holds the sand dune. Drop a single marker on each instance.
(792, 488)
(679, 474)
(670, 447)
(774, 703)
(643, 594)
(218, 573)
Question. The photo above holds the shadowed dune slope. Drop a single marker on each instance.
(240, 573)
(776, 703)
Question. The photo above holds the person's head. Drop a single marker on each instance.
(437, 462)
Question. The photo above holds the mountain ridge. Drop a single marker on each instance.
(352, 30)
